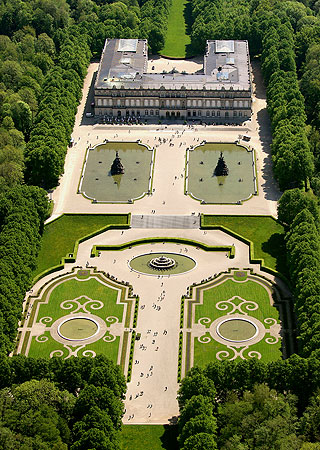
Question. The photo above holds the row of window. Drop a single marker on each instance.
(174, 103)
(194, 113)
(161, 94)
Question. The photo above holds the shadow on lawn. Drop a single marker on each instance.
(276, 247)
(169, 438)
(187, 13)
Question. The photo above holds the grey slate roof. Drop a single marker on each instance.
(127, 69)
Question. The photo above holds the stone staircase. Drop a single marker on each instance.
(157, 221)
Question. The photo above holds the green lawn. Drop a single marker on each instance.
(149, 437)
(59, 236)
(206, 351)
(72, 289)
(249, 290)
(43, 348)
(266, 234)
(67, 291)
(177, 41)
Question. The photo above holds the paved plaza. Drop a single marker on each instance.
(152, 391)
(168, 183)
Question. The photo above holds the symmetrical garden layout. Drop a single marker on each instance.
(191, 306)
(167, 248)
(236, 315)
(99, 185)
(82, 313)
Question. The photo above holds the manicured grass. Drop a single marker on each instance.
(59, 236)
(177, 40)
(266, 234)
(248, 290)
(88, 296)
(149, 437)
(108, 349)
(43, 349)
(72, 289)
(206, 353)
(212, 308)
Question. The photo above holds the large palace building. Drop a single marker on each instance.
(221, 92)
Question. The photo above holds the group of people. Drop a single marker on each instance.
(128, 120)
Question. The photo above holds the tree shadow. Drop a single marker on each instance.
(188, 19)
(269, 184)
(89, 102)
(169, 438)
(276, 247)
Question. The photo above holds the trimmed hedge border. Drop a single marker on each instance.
(216, 248)
(133, 338)
(180, 356)
(124, 350)
(245, 241)
(182, 311)
(69, 259)
(135, 317)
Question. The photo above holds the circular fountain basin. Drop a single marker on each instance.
(163, 263)
(78, 328)
(237, 330)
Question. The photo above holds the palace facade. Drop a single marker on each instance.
(221, 92)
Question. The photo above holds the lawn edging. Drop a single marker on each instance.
(71, 258)
(248, 242)
(218, 248)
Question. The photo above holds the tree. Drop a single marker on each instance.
(102, 397)
(94, 439)
(262, 419)
(196, 383)
(196, 405)
(310, 422)
(292, 202)
(200, 441)
(22, 116)
(200, 423)
(31, 410)
(45, 44)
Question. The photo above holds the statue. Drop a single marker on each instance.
(117, 168)
(221, 169)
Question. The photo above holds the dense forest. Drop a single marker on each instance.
(59, 404)
(45, 48)
(251, 406)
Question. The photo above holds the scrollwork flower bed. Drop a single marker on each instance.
(94, 299)
(232, 301)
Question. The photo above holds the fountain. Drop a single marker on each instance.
(162, 263)
(221, 169)
(117, 167)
